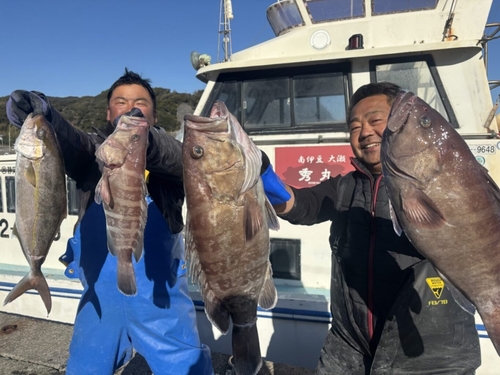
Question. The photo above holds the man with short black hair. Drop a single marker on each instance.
(382, 322)
(159, 322)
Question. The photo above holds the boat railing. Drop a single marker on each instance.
(491, 32)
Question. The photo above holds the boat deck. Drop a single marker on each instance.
(37, 346)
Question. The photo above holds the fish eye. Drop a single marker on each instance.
(425, 121)
(197, 152)
(135, 137)
(40, 133)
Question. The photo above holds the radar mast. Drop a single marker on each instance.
(226, 15)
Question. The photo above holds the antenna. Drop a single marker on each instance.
(226, 15)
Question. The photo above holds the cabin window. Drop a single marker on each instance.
(284, 15)
(229, 94)
(398, 6)
(266, 103)
(289, 100)
(10, 193)
(330, 10)
(318, 100)
(73, 201)
(414, 76)
(285, 258)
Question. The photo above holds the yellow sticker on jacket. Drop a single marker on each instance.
(436, 284)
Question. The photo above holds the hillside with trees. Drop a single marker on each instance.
(87, 111)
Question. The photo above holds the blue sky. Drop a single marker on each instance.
(79, 47)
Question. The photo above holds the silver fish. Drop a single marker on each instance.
(227, 229)
(40, 201)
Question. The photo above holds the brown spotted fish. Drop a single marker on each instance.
(122, 190)
(446, 203)
(227, 229)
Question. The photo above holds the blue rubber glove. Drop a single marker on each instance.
(21, 103)
(273, 186)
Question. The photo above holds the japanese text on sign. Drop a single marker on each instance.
(310, 165)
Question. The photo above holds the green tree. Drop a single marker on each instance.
(90, 111)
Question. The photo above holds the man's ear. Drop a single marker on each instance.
(107, 115)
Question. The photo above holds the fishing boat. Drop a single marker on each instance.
(291, 94)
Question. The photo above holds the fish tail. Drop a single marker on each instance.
(31, 281)
(246, 349)
(126, 275)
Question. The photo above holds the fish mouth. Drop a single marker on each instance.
(112, 166)
(205, 124)
(218, 122)
(400, 110)
(219, 110)
(134, 121)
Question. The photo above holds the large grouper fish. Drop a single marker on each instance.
(122, 190)
(41, 202)
(227, 229)
(446, 203)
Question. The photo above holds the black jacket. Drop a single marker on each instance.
(370, 262)
(382, 306)
(163, 161)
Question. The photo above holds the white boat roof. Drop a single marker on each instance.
(388, 32)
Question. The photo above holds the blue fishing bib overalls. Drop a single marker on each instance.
(159, 322)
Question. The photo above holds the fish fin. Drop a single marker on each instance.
(272, 218)
(246, 349)
(31, 281)
(126, 274)
(253, 155)
(268, 295)
(97, 195)
(30, 174)
(457, 295)
(421, 211)
(216, 313)
(395, 220)
(103, 192)
(195, 270)
(15, 233)
(253, 218)
(137, 251)
(188, 239)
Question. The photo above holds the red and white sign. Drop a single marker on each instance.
(305, 166)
